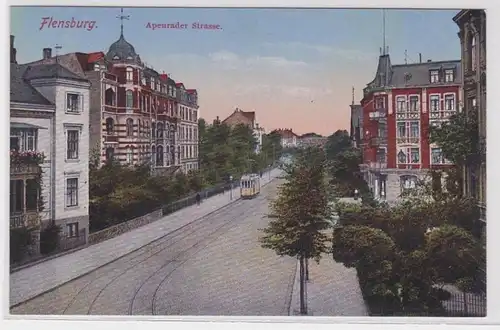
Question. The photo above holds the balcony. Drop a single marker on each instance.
(377, 165)
(26, 163)
(29, 220)
(378, 114)
(407, 140)
(377, 141)
(25, 169)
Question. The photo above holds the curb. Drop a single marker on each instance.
(126, 254)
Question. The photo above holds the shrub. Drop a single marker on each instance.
(20, 240)
(50, 238)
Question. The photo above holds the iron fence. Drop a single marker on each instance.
(466, 305)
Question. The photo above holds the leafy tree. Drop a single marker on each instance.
(403, 252)
(337, 143)
(20, 241)
(50, 238)
(300, 214)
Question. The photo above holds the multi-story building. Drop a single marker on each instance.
(134, 110)
(49, 116)
(187, 103)
(399, 105)
(288, 138)
(472, 36)
(247, 118)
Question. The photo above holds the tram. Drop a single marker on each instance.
(249, 186)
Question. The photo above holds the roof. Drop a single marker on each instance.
(50, 71)
(285, 133)
(20, 89)
(247, 115)
(94, 57)
(73, 62)
(191, 91)
(309, 135)
(122, 49)
(179, 84)
(409, 75)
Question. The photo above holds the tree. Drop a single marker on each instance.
(300, 214)
(337, 143)
(403, 252)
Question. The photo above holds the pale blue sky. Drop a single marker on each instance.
(273, 61)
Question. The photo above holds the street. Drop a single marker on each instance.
(215, 266)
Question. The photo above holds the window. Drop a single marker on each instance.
(437, 156)
(159, 129)
(16, 196)
(110, 154)
(109, 97)
(400, 103)
(153, 130)
(449, 102)
(415, 155)
(152, 83)
(408, 182)
(72, 229)
(109, 126)
(72, 144)
(32, 195)
(449, 76)
(73, 102)
(379, 103)
(401, 132)
(139, 127)
(146, 128)
(414, 106)
(130, 155)
(130, 75)
(130, 127)
(153, 154)
(434, 102)
(159, 156)
(23, 139)
(97, 67)
(473, 58)
(434, 76)
(414, 129)
(129, 99)
(72, 192)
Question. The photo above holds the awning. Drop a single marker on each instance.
(25, 125)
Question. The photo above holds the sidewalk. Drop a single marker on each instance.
(33, 281)
(332, 290)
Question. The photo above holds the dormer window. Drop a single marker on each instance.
(97, 67)
(380, 102)
(153, 83)
(116, 57)
(434, 76)
(129, 58)
(449, 76)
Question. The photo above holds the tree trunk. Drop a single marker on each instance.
(307, 269)
(303, 310)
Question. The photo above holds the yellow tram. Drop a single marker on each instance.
(249, 186)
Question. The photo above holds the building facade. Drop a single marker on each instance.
(247, 118)
(472, 24)
(49, 111)
(288, 138)
(356, 131)
(134, 110)
(472, 35)
(187, 107)
(399, 105)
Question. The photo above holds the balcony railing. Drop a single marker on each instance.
(29, 220)
(377, 165)
(25, 169)
(407, 139)
(378, 114)
(377, 141)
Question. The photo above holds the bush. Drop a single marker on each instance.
(20, 241)
(50, 238)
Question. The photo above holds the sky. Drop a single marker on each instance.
(294, 67)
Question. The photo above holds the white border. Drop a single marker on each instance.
(398, 323)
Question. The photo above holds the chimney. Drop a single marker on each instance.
(13, 51)
(47, 53)
(420, 57)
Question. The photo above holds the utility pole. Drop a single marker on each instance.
(406, 56)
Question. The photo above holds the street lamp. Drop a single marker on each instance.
(230, 187)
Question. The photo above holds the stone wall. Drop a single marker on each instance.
(124, 227)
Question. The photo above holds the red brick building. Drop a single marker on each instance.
(399, 105)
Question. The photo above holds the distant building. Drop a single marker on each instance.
(399, 105)
(356, 131)
(311, 140)
(187, 102)
(247, 118)
(288, 138)
(49, 115)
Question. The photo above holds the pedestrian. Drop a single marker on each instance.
(198, 198)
